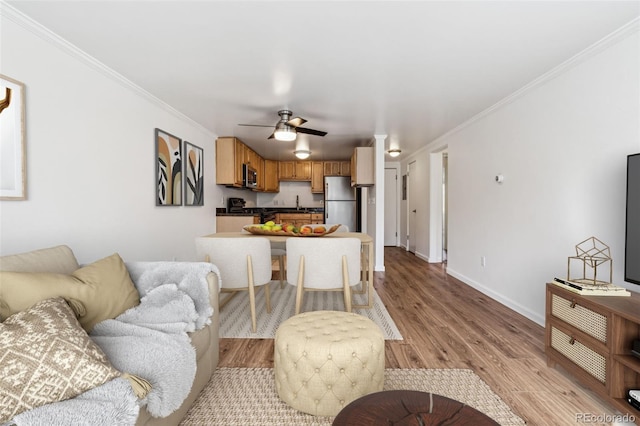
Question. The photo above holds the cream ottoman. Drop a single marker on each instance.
(323, 360)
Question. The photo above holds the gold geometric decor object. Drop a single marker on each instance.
(591, 253)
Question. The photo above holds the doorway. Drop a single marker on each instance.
(390, 207)
(445, 208)
(411, 209)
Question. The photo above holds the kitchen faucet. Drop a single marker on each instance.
(297, 202)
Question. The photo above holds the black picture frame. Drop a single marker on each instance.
(168, 169)
(193, 175)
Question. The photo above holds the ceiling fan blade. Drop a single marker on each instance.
(256, 125)
(310, 131)
(296, 121)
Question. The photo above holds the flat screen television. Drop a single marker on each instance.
(632, 234)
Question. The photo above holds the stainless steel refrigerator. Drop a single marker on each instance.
(340, 202)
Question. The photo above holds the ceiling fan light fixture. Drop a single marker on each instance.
(394, 152)
(284, 132)
(302, 153)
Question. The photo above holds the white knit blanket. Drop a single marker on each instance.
(150, 341)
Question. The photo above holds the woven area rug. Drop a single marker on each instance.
(247, 396)
(235, 317)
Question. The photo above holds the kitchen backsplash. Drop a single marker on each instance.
(287, 196)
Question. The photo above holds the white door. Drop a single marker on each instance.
(411, 211)
(390, 207)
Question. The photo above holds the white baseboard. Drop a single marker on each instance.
(533, 316)
(422, 256)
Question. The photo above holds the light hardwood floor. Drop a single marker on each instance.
(447, 324)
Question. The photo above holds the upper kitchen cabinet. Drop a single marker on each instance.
(271, 180)
(231, 154)
(295, 170)
(362, 167)
(317, 177)
(251, 158)
(337, 168)
(261, 174)
(229, 159)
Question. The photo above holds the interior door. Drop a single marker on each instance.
(411, 211)
(390, 207)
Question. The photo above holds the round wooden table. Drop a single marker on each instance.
(406, 407)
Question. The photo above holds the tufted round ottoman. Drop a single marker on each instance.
(323, 360)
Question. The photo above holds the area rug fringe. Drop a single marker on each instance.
(247, 396)
(235, 320)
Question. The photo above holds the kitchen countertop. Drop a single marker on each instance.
(255, 211)
(237, 214)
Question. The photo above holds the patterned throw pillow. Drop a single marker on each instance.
(46, 356)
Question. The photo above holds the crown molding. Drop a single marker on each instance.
(19, 18)
(616, 36)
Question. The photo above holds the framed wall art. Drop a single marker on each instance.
(13, 163)
(168, 169)
(193, 175)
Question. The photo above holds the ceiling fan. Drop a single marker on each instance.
(287, 128)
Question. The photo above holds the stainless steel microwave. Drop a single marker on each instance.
(249, 177)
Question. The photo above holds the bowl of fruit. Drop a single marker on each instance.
(288, 229)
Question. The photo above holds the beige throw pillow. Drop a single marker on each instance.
(45, 356)
(103, 287)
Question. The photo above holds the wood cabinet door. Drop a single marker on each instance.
(362, 167)
(317, 177)
(297, 219)
(225, 161)
(261, 174)
(345, 168)
(287, 170)
(303, 170)
(271, 183)
(239, 161)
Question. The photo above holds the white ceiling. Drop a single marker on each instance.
(412, 70)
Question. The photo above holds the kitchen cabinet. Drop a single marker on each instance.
(251, 157)
(286, 170)
(229, 158)
(297, 219)
(362, 167)
(345, 168)
(231, 154)
(294, 170)
(271, 180)
(234, 223)
(337, 168)
(317, 177)
(261, 174)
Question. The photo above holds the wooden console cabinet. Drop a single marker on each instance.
(591, 337)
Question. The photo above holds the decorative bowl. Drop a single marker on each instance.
(256, 230)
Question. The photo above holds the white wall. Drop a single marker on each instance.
(90, 159)
(562, 148)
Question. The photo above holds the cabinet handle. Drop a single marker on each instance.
(573, 303)
(572, 341)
